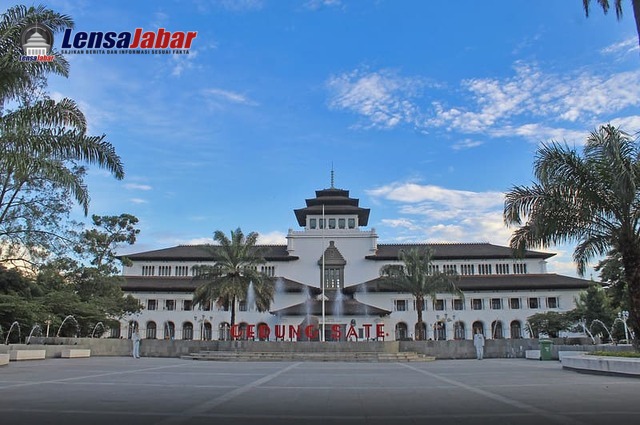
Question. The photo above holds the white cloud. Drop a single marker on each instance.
(466, 144)
(136, 186)
(626, 46)
(320, 4)
(383, 97)
(272, 238)
(138, 200)
(551, 104)
(227, 96)
(182, 62)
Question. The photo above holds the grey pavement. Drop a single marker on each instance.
(164, 391)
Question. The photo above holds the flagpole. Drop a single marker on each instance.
(322, 278)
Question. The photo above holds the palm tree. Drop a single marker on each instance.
(17, 76)
(618, 6)
(42, 141)
(593, 199)
(236, 267)
(419, 276)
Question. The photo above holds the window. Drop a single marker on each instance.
(439, 305)
(400, 305)
(450, 268)
(476, 304)
(242, 306)
(458, 304)
(484, 268)
(502, 268)
(148, 270)
(152, 305)
(533, 303)
(332, 223)
(552, 302)
(268, 270)
(352, 223)
(187, 305)
(182, 270)
(496, 303)
(458, 330)
(466, 269)
(424, 305)
(333, 278)
(187, 330)
(341, 223)
(433, 268)
(170, 305)
(313, 223)
(321, 223)
(151, 330)
(514, 303)
(164, 270)
(520, 268)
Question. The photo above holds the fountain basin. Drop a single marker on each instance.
(4, 359)
(603, 365)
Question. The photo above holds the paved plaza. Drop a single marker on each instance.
(164, 391)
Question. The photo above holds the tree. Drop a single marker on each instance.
(550, 323)
(593, 199)
(42, 143)
(101, 242)
(612, 280)
(236, 267)
(419, 277)
(618, 6)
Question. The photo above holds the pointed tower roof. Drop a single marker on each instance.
(335, 201)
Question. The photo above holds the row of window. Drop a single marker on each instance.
(187, 305)
(480, 304)
(332, 223)
(439, 330)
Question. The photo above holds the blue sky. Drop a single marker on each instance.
(429, 111)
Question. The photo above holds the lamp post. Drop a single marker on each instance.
(48, 323)
(624, 316)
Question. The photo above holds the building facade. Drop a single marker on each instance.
(334, 244)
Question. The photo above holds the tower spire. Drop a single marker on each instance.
(332, 176)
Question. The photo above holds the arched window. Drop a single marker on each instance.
(262, 331)
(516, 329)
(223, 332)
(440, 331)
(242, 330)
(151, 330)
(496, 330)
(206, 333)
(478, 326)
(187, 330)
(133, 325)
(169, 330)
(458, 330)
(401, 331)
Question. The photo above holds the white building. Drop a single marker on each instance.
(500, 291)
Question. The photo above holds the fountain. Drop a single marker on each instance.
(584, 326)
(33, 329)
(604, 326)
(337, 303)
(96, 327)
(307, 301)
(251, 297)
(624, 324)
(530, 330)
(6, 341)
(63, 322)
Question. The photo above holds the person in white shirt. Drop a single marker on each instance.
(478, 342)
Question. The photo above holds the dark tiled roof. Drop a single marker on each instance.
(154, 283)
(206, 253)
(335, 201)
(348, 307)
(454, 251)
(524, 282)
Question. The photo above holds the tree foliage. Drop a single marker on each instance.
(591, 199)
(419, 277)
(236, 267)
(550, 323)
(617, 4)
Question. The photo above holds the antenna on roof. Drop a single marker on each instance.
(332, 176)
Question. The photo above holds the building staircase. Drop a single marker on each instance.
(336, 356)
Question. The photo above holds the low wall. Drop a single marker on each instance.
(494, 348)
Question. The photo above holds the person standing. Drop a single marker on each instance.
(136, 344)
(478, 342)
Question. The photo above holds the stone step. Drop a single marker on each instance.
(298, 356)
